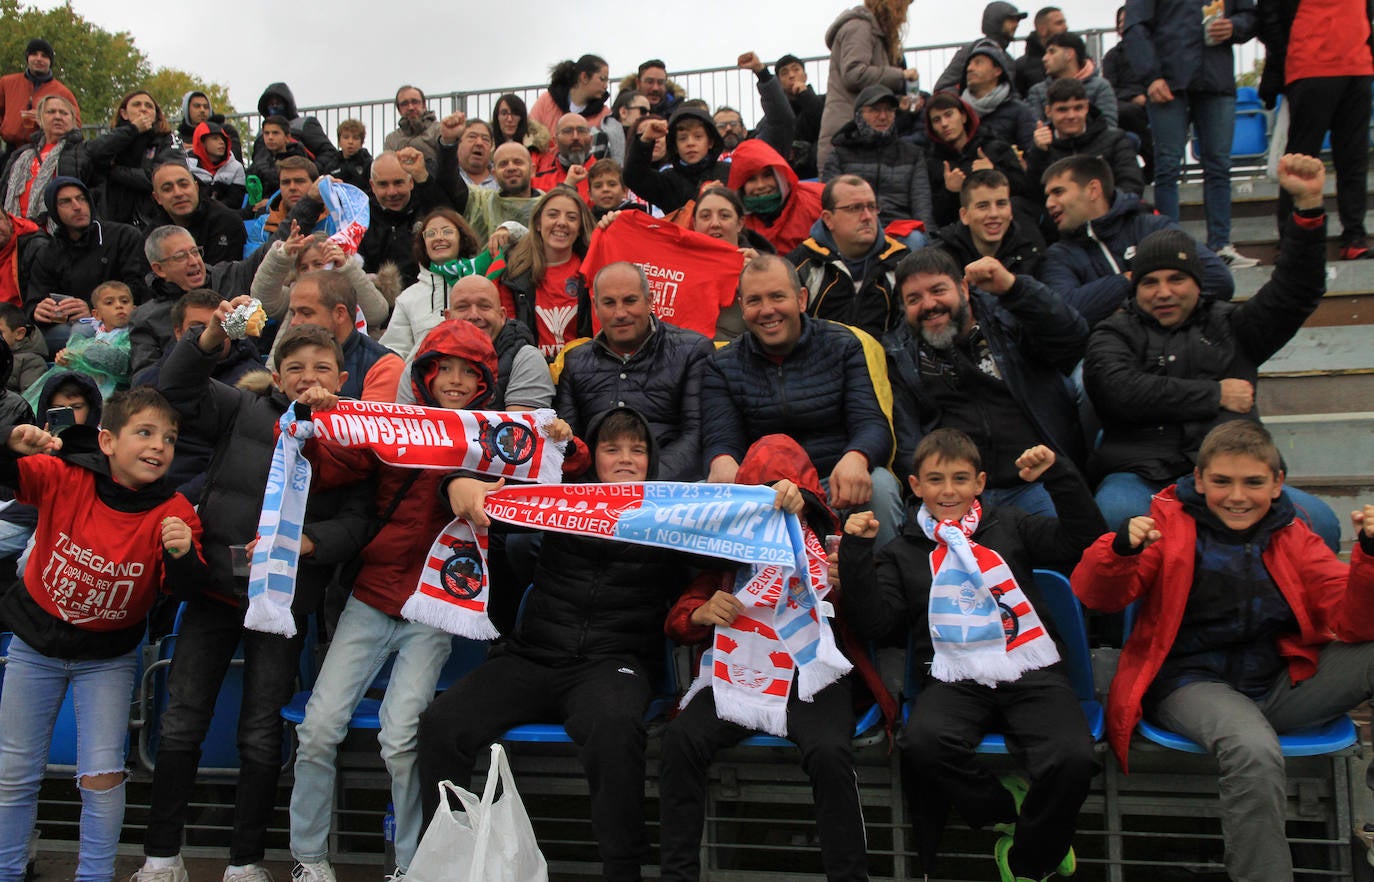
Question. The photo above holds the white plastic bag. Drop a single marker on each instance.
(487, 840)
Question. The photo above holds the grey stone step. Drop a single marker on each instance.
(1261, 230)
(1334, 449)
(1290, 395)
(1342, 277)
(1325, 349)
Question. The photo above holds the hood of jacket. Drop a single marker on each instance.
(775, 457)
(87, 384)
(854, 12)
(282, 92)
(701, 116)
(994, 14)
(754, 156)
(998, 53)
(203, 131)
(456, 339)
(50, 198)
(593, 433)
(973, 122)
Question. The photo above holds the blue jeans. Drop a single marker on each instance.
(885, 503)
(1213, 117)
(1123, 495)
(1030, 498)
(365, 637)
(35, 686)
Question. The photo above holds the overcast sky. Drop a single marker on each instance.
(353, 50)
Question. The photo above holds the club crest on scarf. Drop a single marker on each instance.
(462, 574)
(508, 441)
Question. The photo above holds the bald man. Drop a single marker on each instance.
(522, 375)
(572, 157)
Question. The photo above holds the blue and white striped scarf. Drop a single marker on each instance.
(272, 573)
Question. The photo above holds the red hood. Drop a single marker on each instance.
(972, 121)
(801, 199)
(199, 149)
(459, 339)
(775, 457)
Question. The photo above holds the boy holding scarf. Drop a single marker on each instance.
(243, 424)
(961, 575)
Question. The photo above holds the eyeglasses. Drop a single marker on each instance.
(729, 124)
(575, 130)
(859, 208)
(446, 232)
(184, 255)
(506, 111)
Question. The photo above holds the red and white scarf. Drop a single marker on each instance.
(981, 624)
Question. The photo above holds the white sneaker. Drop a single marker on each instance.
(174, 873)
(250, 873)
(1234, 259)
(320, 872)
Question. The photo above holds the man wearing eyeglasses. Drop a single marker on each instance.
(216, 228)
(848, 262)
(417, 126)
(82, 253)
(570, 159)
(179, 265)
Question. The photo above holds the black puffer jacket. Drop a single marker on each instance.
(596, 598)
(894, 168)
(123, 159)
(1157, 389)
(1003, 158)
(661, 381)
(1020, 250)
(1098, 139)
(390, 237)
(244, 426)
(217, 229)
(822, 394)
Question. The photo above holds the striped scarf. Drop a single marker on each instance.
(981, 624)
(276, 556)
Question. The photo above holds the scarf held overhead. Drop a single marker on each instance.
(981, 624)
(781, 631)
(492, 443)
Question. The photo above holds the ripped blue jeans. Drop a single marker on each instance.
(33, 690)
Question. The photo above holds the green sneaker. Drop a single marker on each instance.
(1000, 852)
(1018, 787)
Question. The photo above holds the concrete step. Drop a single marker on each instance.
(1259, 230)
(1332, 449)
(1325, 349)
(1344, 278)
(1315, 393)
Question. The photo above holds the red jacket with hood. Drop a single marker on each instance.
(11, 281)
(1330, 600)
(770, 459)
(801, 200)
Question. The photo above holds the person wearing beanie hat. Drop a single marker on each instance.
(21, 92)
(1000, 21)
(1173, 363)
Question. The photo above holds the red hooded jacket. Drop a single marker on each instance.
(1331, 601)
(769, 459)
(801, 200)
(11, 286)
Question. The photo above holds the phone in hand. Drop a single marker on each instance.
(58, 298)
(59, 418)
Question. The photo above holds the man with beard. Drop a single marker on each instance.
(417, 126)
(571, 157)
(985, 352)
(777, 127)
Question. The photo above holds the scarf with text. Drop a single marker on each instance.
(493, 443)
(981, 624)
(781, 631)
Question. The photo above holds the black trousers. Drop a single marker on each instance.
(1134, 118)
(1339, 105)
(601, 704)
(822, 730)
(1045, 730)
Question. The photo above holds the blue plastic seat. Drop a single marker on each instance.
(1329, 737)
(1063, 608)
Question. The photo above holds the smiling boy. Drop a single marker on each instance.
(1239, 604)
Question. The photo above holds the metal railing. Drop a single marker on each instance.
(715, 85)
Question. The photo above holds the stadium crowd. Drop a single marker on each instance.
(959, 331)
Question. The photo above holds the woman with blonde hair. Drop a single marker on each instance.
(865, 44)
(56, 150)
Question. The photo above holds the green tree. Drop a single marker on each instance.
(168, 84)
(98, 66)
